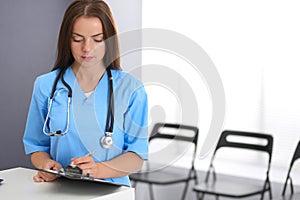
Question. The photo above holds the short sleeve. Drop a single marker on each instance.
(136, 124)
(34, 139)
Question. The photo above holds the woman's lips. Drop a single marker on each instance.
(87, 58)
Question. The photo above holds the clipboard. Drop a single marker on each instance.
(75, 174)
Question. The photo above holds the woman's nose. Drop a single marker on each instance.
(88, 46)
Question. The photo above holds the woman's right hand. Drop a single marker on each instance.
(47, 177)
(42, 160)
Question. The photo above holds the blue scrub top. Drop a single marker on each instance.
(88, 119)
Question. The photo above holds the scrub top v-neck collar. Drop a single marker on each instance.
(70, 78)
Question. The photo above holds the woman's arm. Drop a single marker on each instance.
(122, 165)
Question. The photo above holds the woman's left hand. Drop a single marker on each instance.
(122, 165)
(88, 166)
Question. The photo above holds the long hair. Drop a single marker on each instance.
(88, 8)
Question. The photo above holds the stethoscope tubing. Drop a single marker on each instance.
(106, 141)
(58, 132)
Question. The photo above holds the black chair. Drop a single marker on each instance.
(165, 174)
(288, 177)
(237, 187)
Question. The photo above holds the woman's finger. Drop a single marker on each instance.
(85, 166)
(46, 176)
(82, 160)
(38, 179)
(88, 172)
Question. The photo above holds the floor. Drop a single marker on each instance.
(173, 192)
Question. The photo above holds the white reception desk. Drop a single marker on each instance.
(18, 184)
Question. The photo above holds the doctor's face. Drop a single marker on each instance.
(87, 42)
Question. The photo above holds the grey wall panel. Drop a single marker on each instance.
(28, 35)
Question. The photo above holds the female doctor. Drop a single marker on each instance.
(86, 103)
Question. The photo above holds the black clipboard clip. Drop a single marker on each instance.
(75, 172)
(71, 171)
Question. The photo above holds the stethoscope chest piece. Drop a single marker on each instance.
(106, 141)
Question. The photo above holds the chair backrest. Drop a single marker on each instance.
(160, 131)
(157, 132)
(268, 147)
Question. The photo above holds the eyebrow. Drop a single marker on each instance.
(91, 36)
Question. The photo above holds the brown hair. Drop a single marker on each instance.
(88, 8)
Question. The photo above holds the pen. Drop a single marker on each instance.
(91, 152)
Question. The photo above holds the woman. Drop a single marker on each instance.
(87, 56)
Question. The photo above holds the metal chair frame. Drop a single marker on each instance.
(223, 142)
(288, 176)
(157, 134)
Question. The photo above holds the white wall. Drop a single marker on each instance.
(255, 46)
(128, 17)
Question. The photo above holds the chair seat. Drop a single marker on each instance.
(233, 189)
(160, 177)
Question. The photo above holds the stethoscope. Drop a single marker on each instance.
(106, 141)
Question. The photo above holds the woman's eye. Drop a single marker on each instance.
(77, 40)
(98, 41)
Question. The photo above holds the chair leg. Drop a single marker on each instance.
(134, 183)
(267, 185)
(270, 192)
(262, 196)
(185, 190)
(151, 191)
(200, 197)
(284, 188)
(197, 195)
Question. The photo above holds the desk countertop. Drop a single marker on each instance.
(18, 184)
